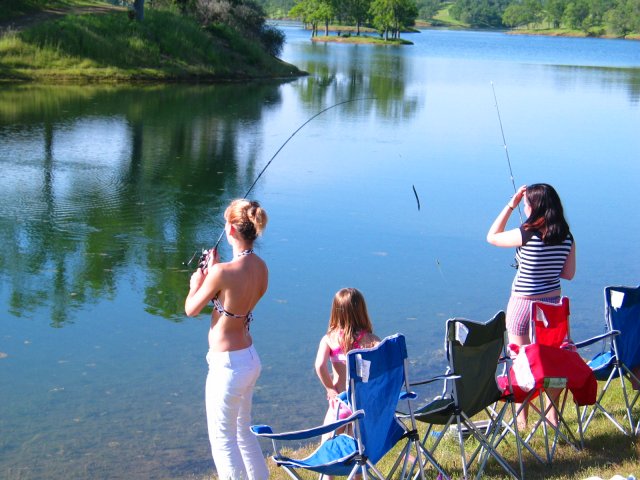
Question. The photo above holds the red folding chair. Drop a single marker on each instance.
(549, 364)
(550, 323)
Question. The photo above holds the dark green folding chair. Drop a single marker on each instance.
(474, 351)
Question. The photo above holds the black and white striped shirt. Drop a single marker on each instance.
(539, 265)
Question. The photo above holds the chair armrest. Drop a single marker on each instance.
(597, 338)
(267, 432)
(407, 396)
(434, 379)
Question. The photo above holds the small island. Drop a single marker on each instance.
(363, 39)
(368, 36)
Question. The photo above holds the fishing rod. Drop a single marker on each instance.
(506, 149)
(205, 253)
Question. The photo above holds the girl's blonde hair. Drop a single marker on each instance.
(248, 218)
(349, 317)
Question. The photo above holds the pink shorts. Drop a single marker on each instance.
(519, 313)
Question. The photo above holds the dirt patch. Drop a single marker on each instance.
(24, 21)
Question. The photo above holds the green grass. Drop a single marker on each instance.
(607, 452)
(14, 8)
(568, 32)
(444, 19)
(111, 47)
(361, 39)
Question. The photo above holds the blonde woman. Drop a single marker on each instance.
(235, 287)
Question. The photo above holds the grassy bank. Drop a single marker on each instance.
(607, 453)
(14, 8)
(167, 46)
(567, 32)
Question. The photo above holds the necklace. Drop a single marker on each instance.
(245, 252)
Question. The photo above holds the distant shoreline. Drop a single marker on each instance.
(422, 25)
(569, 35)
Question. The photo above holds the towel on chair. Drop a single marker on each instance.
(536, 364)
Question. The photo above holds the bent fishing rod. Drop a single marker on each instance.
(506, 149)
(206, 252)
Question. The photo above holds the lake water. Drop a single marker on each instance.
(106, 191)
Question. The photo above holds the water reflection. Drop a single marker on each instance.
(607, 78)
(358, 71)
(101, 178)
(98, 179)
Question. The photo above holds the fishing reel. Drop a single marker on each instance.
(203, 262)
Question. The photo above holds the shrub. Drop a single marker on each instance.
(272, 39)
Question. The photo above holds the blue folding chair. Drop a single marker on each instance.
(377, 380)
(620, 354)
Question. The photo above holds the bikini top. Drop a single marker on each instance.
(217, 305)
(337, 355)
(221, 310)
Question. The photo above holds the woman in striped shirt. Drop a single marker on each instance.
(545, 253)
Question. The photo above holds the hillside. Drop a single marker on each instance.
(97, 42)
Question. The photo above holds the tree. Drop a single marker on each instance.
(357, 11)
(514, 15)
(624, 17)
(597, 11)
(405, 15)
(303, 10)
(523, 12)
(312, 12)
(325, 12)
(554, 11)
(427, 9)
(391, 16)
(479, 13)
(272, 39)
(244, 16)
(576, 13)
(138, 8)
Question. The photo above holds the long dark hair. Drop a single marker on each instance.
(547, 214)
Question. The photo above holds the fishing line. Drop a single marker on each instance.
(278, 151)
(283, 145)
(506, 149)
(416, 194)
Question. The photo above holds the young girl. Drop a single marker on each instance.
(349, 328)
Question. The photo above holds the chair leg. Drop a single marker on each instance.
(463, 456)
(561, 423)
(518, 441)
(626, 401)
(488, 443)
(510, 427)
(598, 407)
(580, 432)
(404, 458)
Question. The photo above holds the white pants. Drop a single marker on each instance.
(229, 390)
